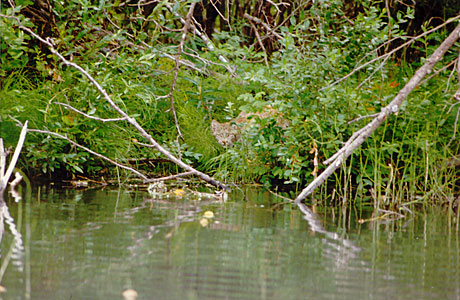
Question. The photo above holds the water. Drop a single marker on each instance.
(94, 244)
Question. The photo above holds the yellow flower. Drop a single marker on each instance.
(179, 192)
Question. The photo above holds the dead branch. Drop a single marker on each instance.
(362, 117)
(144, 46)
(50, 44)
(260, 43)
(439, 71)
(260, 22)
(169, 177)
(205, 39)
(4, 177)
(392, 108)
(220, 14)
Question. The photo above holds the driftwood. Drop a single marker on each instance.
(362, 134)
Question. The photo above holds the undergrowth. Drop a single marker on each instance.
(407, 159)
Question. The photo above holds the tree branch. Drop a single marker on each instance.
(145, 178)
(5, 177)
(50, 44)
(356, 140)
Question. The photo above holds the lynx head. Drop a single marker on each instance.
(225, 133)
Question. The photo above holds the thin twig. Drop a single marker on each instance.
(260, 43)
(88, 116)
(438, 71)
(169, 177)
(205, 39)
(391, 52)
(221, 15)
(185, 29)
(362, 117)
(259, 21)
(90, 151)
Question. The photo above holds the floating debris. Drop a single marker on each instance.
(179, 193)
(208, 214)
(204, 222)
(130, 294)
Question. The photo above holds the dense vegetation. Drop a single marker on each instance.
(291, 61)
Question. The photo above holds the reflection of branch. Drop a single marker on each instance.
(332, 239)
(17, 248)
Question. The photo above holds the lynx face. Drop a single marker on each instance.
(230, 132)
(226, 134)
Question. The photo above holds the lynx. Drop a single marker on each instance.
(229, 132)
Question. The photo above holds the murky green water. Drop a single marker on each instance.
(95, 244)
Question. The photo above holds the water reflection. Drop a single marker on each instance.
(16, 249)
(95, 244)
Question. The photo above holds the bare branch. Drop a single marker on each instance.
(169, 177)
(5, 177)
(185, 29)
(221, 15)
(362, 117)
(260, 43)
(49, 42)
(91, 151)
(439, 71)
(205, 39)
(259, 21)
(357, 139)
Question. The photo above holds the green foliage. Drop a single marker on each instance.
(129, 54)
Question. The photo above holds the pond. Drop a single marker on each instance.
(94, 244)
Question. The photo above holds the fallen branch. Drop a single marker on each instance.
(4, 177)
(392, 108)
(50, 44)
(91, 151)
